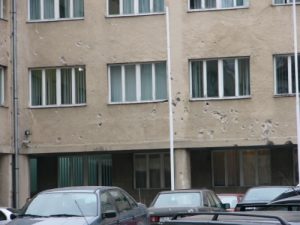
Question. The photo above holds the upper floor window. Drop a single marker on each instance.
(220, 78)
(216, 4)
(2, 86)
(282, 2)
(135, 7)
(55, 9)
(138, 82)
(57, 86)
(3, 5)
(152, 170)
(285, 79)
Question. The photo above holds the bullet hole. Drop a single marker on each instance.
(153, 111)
(178, 99)
(99, 124)
(207, 103)
(181, 118)
(99, 115)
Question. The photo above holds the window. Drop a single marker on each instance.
(241, 168)
(285, 79)
(216, 4)
(55, 9)
(138, 82)
(3, 5)
(2, 86)
(135, 7)
(279, 2)
(152, 170)
(220, 78)
(57, 86)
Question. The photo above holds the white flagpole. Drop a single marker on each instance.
(170, 102)
(297, 84)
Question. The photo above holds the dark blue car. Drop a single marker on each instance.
(85, 205)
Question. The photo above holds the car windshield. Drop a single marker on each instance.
(188, 199)
(263, 194)
(63, 204)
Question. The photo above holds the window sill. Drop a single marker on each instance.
(57, 106)
(135, 15)
(142, 102)
(220, 99)
(217, 9)
(284, 95)
(55, 20)
(285, 4)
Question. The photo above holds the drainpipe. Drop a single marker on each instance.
(15, 107)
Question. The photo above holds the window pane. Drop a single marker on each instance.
(64, 8)
(227, 3)
(244, 77)
(4, 9)
(36, 87)
(128, 6)
(154, 171)
(241, 2)
(140, 171)
(1, 86)
(80, 85)
(146, 81)
(158, 6)
(78, 8)
(144, 6)
(195, 4)
(264, 167)
(219, 168)
(249, 168)
(212, 78)
(114, 7)
(160, 81)
(167, 171)
(210, 4)
(197, 79)
(279, 1)
(50, 86)
(130, 83)
(229, 77)
(282, 74)
(116, 83)
(66, 86)
(35, 9)
(294, 74)
(48, 9)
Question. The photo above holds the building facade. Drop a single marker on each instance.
(92, 95)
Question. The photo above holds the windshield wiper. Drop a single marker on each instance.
(30, 215)
(64, 215)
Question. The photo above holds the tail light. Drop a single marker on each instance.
(154, 219)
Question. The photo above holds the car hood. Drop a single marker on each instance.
(168, 211)
(52, 221)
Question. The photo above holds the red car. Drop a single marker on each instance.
(231, 198)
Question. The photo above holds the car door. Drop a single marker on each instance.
(214, 203)
(126, 214)
(107, 204)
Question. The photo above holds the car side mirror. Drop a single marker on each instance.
(225, 205)
(109, 214)
(13, 216)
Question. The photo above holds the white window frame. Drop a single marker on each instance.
(290, 80)
(2, 82)
(1, 10)
(136, 9)
(138, 84)
(218, 6)
(162, 167)
(56, 12)
(58, 88)
(287, 2)
(220, 79)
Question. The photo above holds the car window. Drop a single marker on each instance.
(216, 200)
(130, 200)
(178, 199)
(2, 216)
(106, 202)
(232, 200)
(263, 194)
(122, 202)
(211, 200)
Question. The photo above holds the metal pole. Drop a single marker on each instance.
(15, 105)
(297, 84)
(170, 101)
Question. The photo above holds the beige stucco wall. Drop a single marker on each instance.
(258, 31)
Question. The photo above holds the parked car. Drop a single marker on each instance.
(239, 218)
(97, 205)
(167, 204)
(5, 214)
(259, 196)
(231, 198)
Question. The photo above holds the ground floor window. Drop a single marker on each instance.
(241, 167)
(1, 86)
(152, 170)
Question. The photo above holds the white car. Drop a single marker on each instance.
(5, 215)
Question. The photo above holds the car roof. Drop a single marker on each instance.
(184, 191)
(90, 189)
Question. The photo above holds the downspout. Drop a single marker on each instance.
(15, 107)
